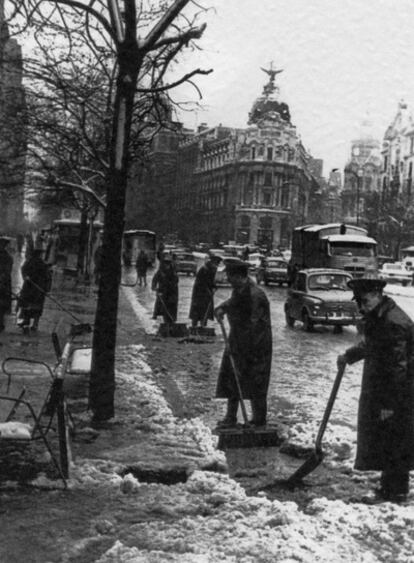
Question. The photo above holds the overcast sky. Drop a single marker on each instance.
(342, 59)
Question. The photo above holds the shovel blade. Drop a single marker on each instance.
(306, 468)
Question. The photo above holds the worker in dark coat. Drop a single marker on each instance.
(165, 283)
(142, 267)
(202, 298)
(6, 266)
(37, 281)
(250, 343)
(385, 440)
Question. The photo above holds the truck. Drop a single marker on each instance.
(335, 245)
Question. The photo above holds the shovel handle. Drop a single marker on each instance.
(328, 410)
(235, 372)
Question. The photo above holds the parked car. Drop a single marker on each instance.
(221, 276)
(396, 272)
(321, 296)
(185, 263)
(272, 270)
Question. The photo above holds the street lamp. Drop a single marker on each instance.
(359, 176)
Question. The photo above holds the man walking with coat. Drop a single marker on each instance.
(250, 343)
(385, 439)
(202, 300)
(37, 280)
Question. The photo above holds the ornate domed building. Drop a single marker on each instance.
(250, 186)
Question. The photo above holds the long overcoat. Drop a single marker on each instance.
(165, 282)
(387, 384)
(250, 342)
(32, 295)
(6, 266)
(202, 301)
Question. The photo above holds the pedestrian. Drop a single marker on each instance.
(165, 283)
(385, 432)
(37, 282)
(202, 298)
(6, 266)
(250, 343)
(142, 267)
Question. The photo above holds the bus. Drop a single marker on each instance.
(135, 240)
(64, 244)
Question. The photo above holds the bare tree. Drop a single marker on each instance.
(145, 39)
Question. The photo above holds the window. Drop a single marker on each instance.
(253, 153)
(411, 145)
(285, 196)
(266, 198)
(268, 179)
(269, 153)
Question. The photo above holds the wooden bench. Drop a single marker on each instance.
(79, 355)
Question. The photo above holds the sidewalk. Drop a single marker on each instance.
(150, 487)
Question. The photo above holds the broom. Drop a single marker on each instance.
(248, 436)
(205, 330)
(174, 329)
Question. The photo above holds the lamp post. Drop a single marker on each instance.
(359, 176)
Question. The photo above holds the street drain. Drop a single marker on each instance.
(163, 476)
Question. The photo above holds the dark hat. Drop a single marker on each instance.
(215, 258)
(366, 285)
(237, 267)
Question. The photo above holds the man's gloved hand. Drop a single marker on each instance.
(219, 314)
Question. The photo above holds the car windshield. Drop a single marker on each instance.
(393, 267)
(185, 257)
(328, 281)
(276, 264)
(352, 249)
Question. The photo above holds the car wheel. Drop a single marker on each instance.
(338, 329)
(290, 321)
(404, 283)
(266, 282)
(307, 322)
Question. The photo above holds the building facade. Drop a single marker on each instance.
(250, 186)
(221, 184)
(13, 127)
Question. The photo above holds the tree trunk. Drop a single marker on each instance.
(102, 382)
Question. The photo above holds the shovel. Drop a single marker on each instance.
(317, 456)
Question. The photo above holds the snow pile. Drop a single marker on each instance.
(231, 527)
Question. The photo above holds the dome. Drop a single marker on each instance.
(268, 106)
